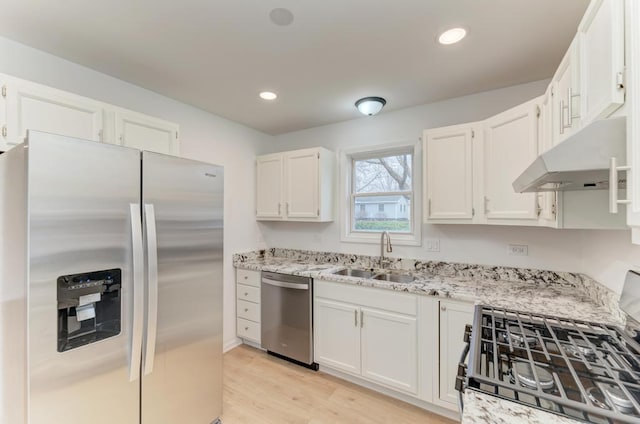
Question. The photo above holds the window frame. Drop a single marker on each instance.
(347, 204)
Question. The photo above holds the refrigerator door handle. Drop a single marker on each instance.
(152, 275)
(135, 349)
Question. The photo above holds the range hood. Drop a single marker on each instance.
(581, 162)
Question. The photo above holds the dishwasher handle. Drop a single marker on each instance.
(285, 284)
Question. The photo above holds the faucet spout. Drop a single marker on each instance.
(388, 247)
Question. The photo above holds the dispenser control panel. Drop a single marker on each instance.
(89, 307)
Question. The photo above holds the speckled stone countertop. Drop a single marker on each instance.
(552, 293)
(568, 295)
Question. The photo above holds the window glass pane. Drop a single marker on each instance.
(382, 213)
(377, 175)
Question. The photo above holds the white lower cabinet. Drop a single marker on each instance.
(389, 349)
(375, 338)
(248, 305)
(454, 316)
(337, 335)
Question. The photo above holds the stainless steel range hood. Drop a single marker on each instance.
(581, 162)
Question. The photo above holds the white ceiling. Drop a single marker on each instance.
(218, 54)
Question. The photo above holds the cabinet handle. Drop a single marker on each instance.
(355, 317)
(613, 185)
(429, 207)
(361, 318)
(443, 308)
(279, 207)
(486, 205)
(569, 108)
(287, 208)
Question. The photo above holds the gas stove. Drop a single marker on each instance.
(582, 370)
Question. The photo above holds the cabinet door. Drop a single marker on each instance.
(269, 176)
(337, 335)
(510, 145)
(449, 173)
(602, 58)
(546, 200)
(633, 117)
(146, 133)
(389, 349)
(454, 317)
(566, 94)
(3, 115)
(36, 107)
(301, 183)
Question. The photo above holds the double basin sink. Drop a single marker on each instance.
(390, 276)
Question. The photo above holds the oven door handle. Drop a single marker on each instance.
(285, 285)
(462, 375)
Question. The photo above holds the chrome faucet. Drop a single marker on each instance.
(382, 247)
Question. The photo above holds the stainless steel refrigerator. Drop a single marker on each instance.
(111, 291)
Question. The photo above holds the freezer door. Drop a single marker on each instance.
(82, 363)
(182, 378)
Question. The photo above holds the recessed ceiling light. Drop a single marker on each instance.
(281, 17)
(268, 95)
(452, 36)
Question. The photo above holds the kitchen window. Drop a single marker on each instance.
(379, 194)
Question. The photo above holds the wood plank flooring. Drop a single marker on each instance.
(259, 388)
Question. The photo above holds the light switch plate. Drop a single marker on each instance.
(433, 245)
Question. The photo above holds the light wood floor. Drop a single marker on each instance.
(259, 388)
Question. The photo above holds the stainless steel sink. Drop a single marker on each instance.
(395, 278)
(355, 272)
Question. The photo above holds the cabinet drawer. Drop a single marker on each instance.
(249, 293)
(248, 310)
(250, 330)
(250, 278)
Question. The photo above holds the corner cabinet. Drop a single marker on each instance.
(296, 186)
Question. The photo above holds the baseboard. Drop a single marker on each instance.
(231, 344)
(436, 409)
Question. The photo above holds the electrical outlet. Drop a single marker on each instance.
(518, 249)
(433, 245)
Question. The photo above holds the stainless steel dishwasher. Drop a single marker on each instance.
(287, 317)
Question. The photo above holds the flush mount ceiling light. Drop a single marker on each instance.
(268, 95)
(281, 16)
(370, 105)
(452, 36)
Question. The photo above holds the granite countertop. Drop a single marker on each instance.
(551, 298)
(551, 293)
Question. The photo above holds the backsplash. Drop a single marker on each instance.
(594, 290)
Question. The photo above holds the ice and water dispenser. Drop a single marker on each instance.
(89, 307)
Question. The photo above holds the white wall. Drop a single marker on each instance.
(605, 255)
(203, 136)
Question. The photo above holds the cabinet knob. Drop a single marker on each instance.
(246, 294)
(246, 309)
(246, 328)
(443, 308)
(246, 277)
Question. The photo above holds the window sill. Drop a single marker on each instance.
(374, 238)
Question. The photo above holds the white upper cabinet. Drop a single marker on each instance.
(448, 177)
(3, 114)
(565, 95)
(269, 177)
(296, 185)
(510, 146)
(602, 56)
(302, 184)
(32, 106)
(633, 116)
(146, 133)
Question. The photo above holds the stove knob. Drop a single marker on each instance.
(462, 370)
(460, 384)
(467, 333)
